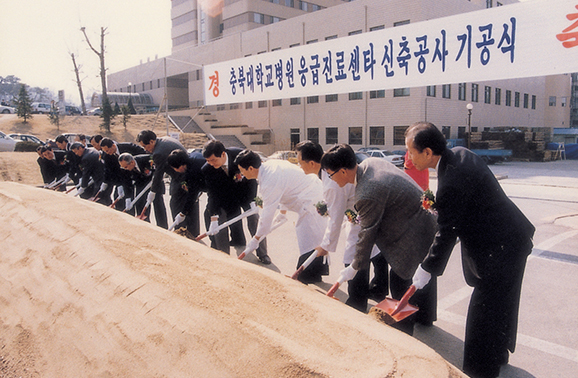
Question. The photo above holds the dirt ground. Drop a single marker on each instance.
(87, 291)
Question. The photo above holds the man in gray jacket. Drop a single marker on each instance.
(388, 209)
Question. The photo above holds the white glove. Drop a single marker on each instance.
(213, 227)
(103, 187)
(420, 278)
(348, 273)
(251, 246)
(80, 191)
(120, 191)
(128, 204)
(150, 197)
(179, 218)
(281, 217)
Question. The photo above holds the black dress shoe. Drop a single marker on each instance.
(265, 259)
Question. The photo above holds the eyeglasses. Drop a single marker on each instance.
(331, 175)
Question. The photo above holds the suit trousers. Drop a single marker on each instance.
(492, 319)
(360, 289)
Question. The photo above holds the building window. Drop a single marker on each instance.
(517, 99)
(400, 23)
(377, 135)
(331, 37)
(354, 32)
(262, 104)
(377, 94)
(220, 107)
(508, 97)
(487, 95)
(249, 105)
(313, 134)
(294, 45)
(475, 92)
(399, 135)
(552, 101)
(401, 92)
(355, 135)
(295, 101)
(331, 135)
(431, 90)
(234, 106)
(258, 18)
(375, 28)
(534, 102)
(446, 130)
(303, 5)
(462, 91)
(295, 137)
(489, 3)
(498, 96)
(447, 91)
(563, 101)
(461, 132)
(277, 102)
(355, 96)
(526, 101)
(310, 42)
(331, 98)
(312, 99)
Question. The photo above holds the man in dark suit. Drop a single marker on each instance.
(91, 167)
(389, 211)
(192, 185)
(228, 192)
(140, 171)
(160, 148)
(496, 240)
(113, 174)
(72, 161)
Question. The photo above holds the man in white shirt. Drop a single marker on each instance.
(338, 200)
(285, 185)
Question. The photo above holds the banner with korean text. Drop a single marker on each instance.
(535, 38)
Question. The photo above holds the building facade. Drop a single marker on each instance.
(238, 28)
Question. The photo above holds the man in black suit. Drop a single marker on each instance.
(72, 161)
(496, 240)
(91, 167)
(192, 185)
(228, 192)
(140, 171)
(160, 148)
(113, 174)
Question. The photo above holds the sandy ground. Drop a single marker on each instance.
(108, 295)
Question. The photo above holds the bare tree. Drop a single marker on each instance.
(79, 83)
(106, 108)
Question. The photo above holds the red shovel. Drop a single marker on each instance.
(391, 311)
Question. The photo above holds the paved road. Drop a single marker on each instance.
(548, 329)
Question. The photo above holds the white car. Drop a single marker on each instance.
(6, 143)
(41, 108)
(7, 110)
(394, 159)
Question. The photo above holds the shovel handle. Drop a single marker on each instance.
(333, 289)
(403, 301)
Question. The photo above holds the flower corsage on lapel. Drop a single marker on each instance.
(238, 177)
(428, 201)
(321, 207)
(258, 202)
(352, 216)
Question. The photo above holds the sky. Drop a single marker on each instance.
(38, 36)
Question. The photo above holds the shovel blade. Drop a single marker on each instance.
(389, 305)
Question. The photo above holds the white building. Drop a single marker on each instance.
(239, 28)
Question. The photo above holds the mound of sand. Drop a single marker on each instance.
(86, 291)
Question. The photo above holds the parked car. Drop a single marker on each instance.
(361, 156)
(7, 109)
(291, 156)
(394, 159)
(367, 149)
(262, 155)
(6, 143)
(40, 108)
(72, 110)
(95, 112)
(27, 138)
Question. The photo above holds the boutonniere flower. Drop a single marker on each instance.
(428, 201)
(238, 177)
(321, 207)
(185, 186)
(258, 202)
(351, 216)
